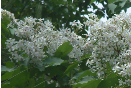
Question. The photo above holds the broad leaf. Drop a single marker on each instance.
(31, 83)
(4, 68)
(5, 85)
(63, 50)
(77, 75)
(82, 74)
(6, 76)
(9, 64)
(20, 80)
(123, 3)
(71, 67)
(107, 83)
(53, 61)
(12, 31)
(87, 82)
(112, 7)
(110, 1)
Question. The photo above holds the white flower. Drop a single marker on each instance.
(74, 23)
(89, 62)
(80, 25)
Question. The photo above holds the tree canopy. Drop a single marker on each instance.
(32, 29)
(61, 11)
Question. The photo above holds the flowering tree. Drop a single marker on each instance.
(63, 59)
(63, 11)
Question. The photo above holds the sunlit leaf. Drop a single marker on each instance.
(123, 3)
(53, 61)
(63, 50)
(112, 7)
(87, 81)
(82, 74)
(4, 68)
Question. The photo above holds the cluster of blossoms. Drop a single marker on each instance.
(35, 35)
(109, 43)
(7, 13)
(112, 45)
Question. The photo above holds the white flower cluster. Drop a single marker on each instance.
(112, 45)
(7, 13)
(109, 43)
(35, 35)
(127, 81)
(77, 24)
(125, 71)
(9, 16)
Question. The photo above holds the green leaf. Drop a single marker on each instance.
(21, 77)
(9, 64)
(34, 71)
(92, 1)
(112, 7)
(12, 31)
(40, 82)
(78, 75)
(31, 83)
(83, 74)
(5, 85)
(101, 0)
(6, 76)
(6, 19)
(41, 66)
(123, 3)
(4, 68)
(87, 81)
(71, 67)
(63, 50)
(3, 40)
(110, 1)
(111, 78)
(107, 83)
(4, 27)
(92, 84)
(53, 61)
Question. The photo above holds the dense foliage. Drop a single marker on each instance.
(61, 11)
